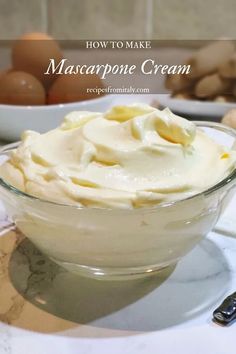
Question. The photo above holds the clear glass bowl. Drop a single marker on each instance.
(115, 244)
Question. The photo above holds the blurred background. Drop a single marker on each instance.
(181, 31)
(119, 19)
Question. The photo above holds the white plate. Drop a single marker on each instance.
(203, 110)
(15, 119)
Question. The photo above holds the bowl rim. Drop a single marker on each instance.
(204, 124)
(58, 106)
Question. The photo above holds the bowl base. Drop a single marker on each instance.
(112, 274)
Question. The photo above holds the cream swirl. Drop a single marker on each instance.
(131, 156)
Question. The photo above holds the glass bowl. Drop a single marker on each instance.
(116, 243)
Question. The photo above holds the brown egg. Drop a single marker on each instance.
(20, 88)
(32, 53)
(5, 71)
(72, 88)
(2, 72)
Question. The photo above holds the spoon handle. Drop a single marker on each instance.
(226, 312)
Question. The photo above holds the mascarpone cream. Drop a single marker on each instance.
(128, 157)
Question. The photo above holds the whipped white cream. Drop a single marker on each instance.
(129, 157)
